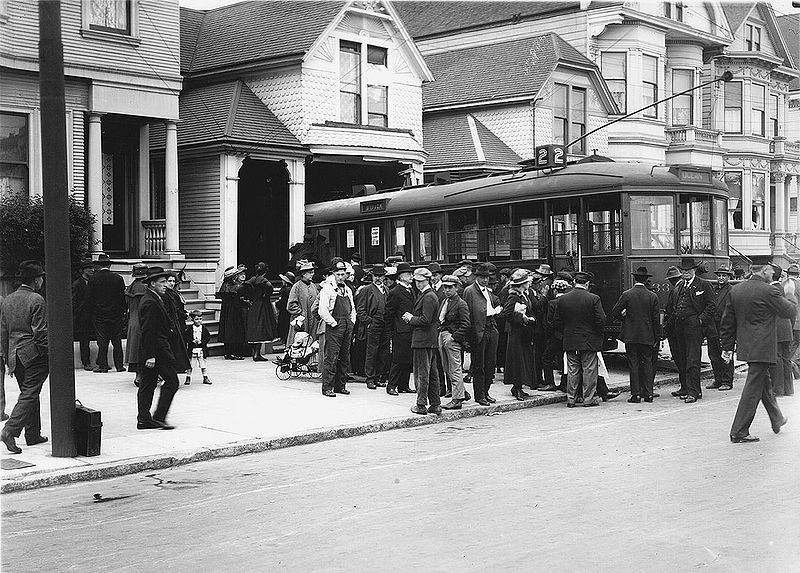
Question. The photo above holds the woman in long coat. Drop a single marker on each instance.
(261, 322)
(519, 313)
(133, 295)
(176, 310)
(283, 300)
(301, 299)
(232, 314)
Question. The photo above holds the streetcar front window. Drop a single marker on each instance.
(605, 228)
(695, 224)
(652, 222)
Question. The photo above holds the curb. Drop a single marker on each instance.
(138, 465)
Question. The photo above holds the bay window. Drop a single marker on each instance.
(650, 84)
(14, 154)
(759, 182)
(682, 106)
(733, 179)
(733, 107)
(614, 69)
(757, 114)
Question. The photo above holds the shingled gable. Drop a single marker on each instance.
(737, 13)
(504, 71)
(451, 143)
(790, 30)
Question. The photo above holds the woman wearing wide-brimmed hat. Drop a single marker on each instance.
(261, 323)
(301, 298)
(287, 282)
(519, 314)
(232, 314)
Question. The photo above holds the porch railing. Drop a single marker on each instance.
(155, 237)
(692, 134)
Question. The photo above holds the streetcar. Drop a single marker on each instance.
(604, 217)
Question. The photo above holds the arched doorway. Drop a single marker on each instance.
(263, 222)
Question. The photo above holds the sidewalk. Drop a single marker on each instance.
(246, 409)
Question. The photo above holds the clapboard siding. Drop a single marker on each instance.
(79, 154)
(21, 89)
(156, 55)
(199, 207)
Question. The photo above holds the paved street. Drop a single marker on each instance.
(622, 487)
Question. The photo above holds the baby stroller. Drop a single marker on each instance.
(300, 358)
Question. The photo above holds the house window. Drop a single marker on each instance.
(376, 55)
(682, 106)
(569, 116)
(14, 154)
(650, 84)
(109, 16)
(733, 107)
(773, 115)
(752, 40)
(733, 179)
(759, 190)
(674, 11)
(350, 82)
(757, 113)
(377, 105)
(614, 69)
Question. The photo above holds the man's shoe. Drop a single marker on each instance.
(149, 425)
(371, 386)
(610, 396)
(467, 396)
(10, 442)
(724, 387)
(100, 369)
(713, 385)
(452, 405)
(690, 399)
(406, 391)
(421, 410)
(775, 427)
(655, 395)
(570, 404)
(634, 399)
(380, 384)
(448, 395)
(490, 399)
(122, 369)
(745, 439)
(392, 391)
(648, 398)
(88, 367)
(187, 381)
(344, 391)
(329, 393)
(591, 404)
(36, 440)
(549, 388)
(435, 410)
(3, 416)
(259, 358)
(206, 380)
(163, 424)
(679, 394)
(517, 394)
(483, 402)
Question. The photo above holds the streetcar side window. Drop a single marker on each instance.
(400, 239)
(652, 222)
(324, 245)
(605, 228)
(462, 235)
(720, 235)
(430, 239)
(350, 241)
(528, 240)
(494, 237)
(375, 237)
(695, 224)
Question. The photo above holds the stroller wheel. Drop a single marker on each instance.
(313, 371)
(283, 372)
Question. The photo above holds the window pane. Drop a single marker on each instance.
(733, 94)
(109, 14)
(528, 233)
(494, 239)
(350, 107)
(349, 69)
(325, 245)
(681, 80)
(720, 234)
(377, 105)
(400, 239)
(559, 131)
(733, 179)
(613, 64)
(619, 92)
(430, 238)
(13, 138)
(559, 100)
(605, 231)
(650, 69)
(733, 107)
(462, 235)
(682, 110)
(757, 95)
(13, 180)
(376, 55)
(578, 104)
(759, 190)
(652, 222)
(701, 225)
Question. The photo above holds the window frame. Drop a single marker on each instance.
(366, 80)
(628, 205)
(739, 207)
(689, 96)
(371, 112)
(651, 111)
(615, 81)
(726, 107)
(752, 38)
(774, 117)
(567, 120)
(128, 36)
(761, 111)
(26, 163)
(348, 47)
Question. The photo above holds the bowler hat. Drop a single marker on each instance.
(392, 260)
(673, 273)
(30, 269)
(422, 274)
(378, 270)
(688, 263)
(483, 270)
(156, 273)
(564, 276)
(139, 270)
(435, 268)
(103, 260)
(641, 272)
(583, 276)
(520, 277)
(451, 280)
(723, 270)
(404, 267)
(505, 271)
(544, 270)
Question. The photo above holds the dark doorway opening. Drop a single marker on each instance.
(264, 215)
(120, 165)
(328, 181)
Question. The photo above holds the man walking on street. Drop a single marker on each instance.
(453, 328)
(637, 308)
(484, 306)
(723, 371)
(106, 299)
(338, 311)
(81, 313)
(23, 348)
(580, 318)
(748, 322)
(424, 341)
(370, 309)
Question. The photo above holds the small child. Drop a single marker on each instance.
(197, 337)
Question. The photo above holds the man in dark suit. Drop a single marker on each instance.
(81, 314)
(424, 342)
(158, 338)
(358, 271)
(23, 348)
(723, 371)
(484, 306)
(674, 276)
(399, 301)
(580, 318)
(370, 306)
(105, 297)
(748, 322)
(637, 308)
(693, 320)
(453, 327)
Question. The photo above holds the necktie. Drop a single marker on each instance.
(443, 312)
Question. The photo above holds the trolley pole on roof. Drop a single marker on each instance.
(56, 229)
(725, 77)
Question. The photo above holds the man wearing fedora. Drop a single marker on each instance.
(134, 293)
(692, 319)
(81, 314)
(424, 344)
(781, 374)
(370, 307)
(338, 310)
(24, 348)
(484, 306)
(723, 371)
(748, 322)
(638, 310)
(106, 299)
(400, 301)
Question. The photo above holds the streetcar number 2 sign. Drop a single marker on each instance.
(550, 156)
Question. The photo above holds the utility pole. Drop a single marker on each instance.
(56, 229)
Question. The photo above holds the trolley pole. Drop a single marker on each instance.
(56, 229)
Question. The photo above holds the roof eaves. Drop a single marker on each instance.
(237, 92)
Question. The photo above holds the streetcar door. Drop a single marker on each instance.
(565, 246)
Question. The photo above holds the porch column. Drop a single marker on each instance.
(747, 200)
(794, 191)
(144, 183)
(785, 189)
(229, 211)
(94, 183)
(780, 203)
(171, 190)
(297, 200)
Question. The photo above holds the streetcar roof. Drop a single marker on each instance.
(575, 179)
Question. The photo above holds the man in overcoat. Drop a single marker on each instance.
(638, 310)
(723, 371)
(370, 306)
(24, 349)
(748, 322)
(482, 337)
(81, 313)
(580, 318)
(400, 301)
(105, 297)
(424, 342)
(159, 336)
(674, 276)
(693, 313)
